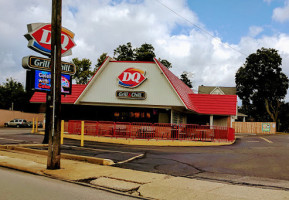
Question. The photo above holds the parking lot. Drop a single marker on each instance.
(254, 156)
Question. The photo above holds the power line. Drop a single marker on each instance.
(201, 29)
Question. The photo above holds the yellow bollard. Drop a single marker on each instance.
(36, 125)
(62, 132)
(82, 134)
(32, 131)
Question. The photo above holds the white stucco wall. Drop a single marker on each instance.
(105, 84)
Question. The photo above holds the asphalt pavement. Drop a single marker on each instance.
(257, 161)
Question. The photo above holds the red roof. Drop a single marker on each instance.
(180, 87)
(40, 97)
(214, 104)
(201, 103)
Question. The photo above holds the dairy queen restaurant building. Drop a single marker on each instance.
(142, 92)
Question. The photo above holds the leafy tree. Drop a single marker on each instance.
(100, 60)
(186, 80)
(166, 63)
(12, 93)
(83, 72)
(261, 84)
(124, 52)
(145, 53)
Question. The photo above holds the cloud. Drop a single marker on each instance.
(281, 14)
(255, 30)
(100, 26)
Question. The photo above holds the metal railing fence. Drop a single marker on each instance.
(156, 131)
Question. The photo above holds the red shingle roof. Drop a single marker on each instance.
(40, 97)
(201, 103)
(180, 87)
(214, 104)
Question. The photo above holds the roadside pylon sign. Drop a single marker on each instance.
(39, 37)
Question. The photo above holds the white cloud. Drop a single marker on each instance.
(282, 14)
(255, 30)
(101, 26)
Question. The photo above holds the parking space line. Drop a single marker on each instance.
(95, 149)
(11, 139)
(269, 141)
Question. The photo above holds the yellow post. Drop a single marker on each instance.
(36, 125)
(32, 131)
(82, 134)
(62, 132)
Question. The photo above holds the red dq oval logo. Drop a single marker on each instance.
(39, 36)
(131, 78)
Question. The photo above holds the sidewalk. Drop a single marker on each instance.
(135, 183)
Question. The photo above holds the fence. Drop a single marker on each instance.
(157, 131)
(255, 127)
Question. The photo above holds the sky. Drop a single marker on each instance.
(208, 39)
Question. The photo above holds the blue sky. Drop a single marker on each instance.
(231, 19)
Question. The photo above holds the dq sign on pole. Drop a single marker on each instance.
(39, 37)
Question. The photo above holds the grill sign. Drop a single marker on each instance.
(131, 78)
(33, 62)
(130, 95)
(39, 37)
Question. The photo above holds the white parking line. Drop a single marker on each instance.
(269, 141)
(11, 139)
(94, 149)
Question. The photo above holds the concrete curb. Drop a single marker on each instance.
(23, 148)
(146, 142)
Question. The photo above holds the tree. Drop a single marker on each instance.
(100, 60)
(186, 80)
(13, 95)
(124, 52)
(145, 53)
(83, 72)
(261, 84)
(166, 63)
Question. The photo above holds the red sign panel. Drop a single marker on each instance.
(131, 78)
(39, 37)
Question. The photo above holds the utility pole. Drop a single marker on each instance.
(53, 160)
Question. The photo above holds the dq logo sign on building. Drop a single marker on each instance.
(39, 37)
(131, 78)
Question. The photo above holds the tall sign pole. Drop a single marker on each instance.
(53, 161)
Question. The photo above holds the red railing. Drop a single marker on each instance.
(157, 131)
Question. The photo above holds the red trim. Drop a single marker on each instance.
(123, 61)
(180, 87)
(98, 69)
(107, 57)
